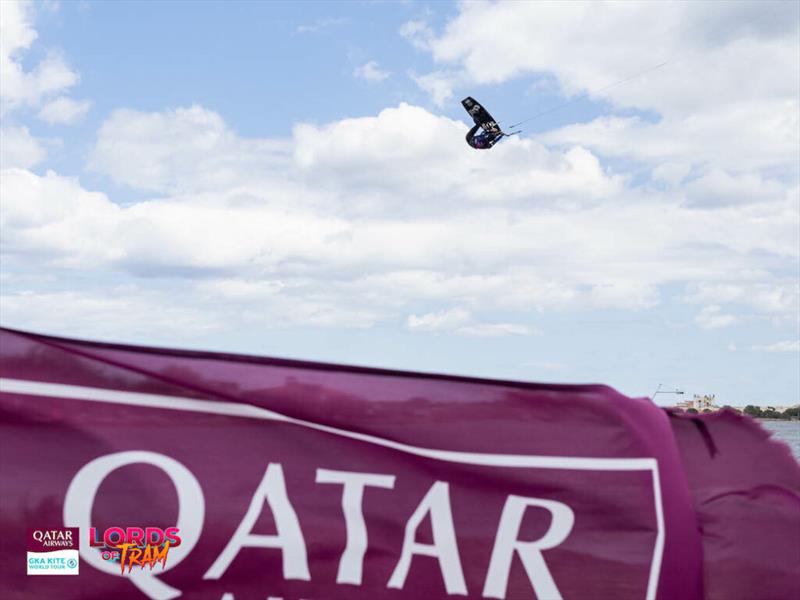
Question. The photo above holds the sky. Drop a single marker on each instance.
(292, 180)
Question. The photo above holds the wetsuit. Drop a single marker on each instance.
(482, 141)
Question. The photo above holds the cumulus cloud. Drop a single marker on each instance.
(187, 148)
(460, 322)
(765, 136)
(540, 38)
(23, 87)
(419, 33)
(671, 172)
(378, 154)
(54, 217)
(712, 317)
(357, 221)
(784, 346)
(120, 310)
(370, 71)
(442, 320)
(64, 111)
(18, 148)
(25, 84)
(438, 84)
(321, 25)
(719, 187)
(624, 294)
(482, 330)
(771, 297)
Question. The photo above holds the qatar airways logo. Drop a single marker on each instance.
(53, 551)
(135, 546)
(54, 538)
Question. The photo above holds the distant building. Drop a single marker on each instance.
(699, 403)
(705, 402)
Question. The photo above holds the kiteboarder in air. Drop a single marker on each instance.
(491, 133)
(482, 141)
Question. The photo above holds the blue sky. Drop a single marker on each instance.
(290, 179)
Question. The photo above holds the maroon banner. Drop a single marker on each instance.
(233, 477)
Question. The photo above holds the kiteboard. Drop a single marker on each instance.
(481, 116)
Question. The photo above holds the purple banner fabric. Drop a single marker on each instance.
(746, 491)
(312, 481)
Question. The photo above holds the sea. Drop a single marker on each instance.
(785, 431)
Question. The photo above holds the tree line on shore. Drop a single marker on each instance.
(770, 413)
(790, 414)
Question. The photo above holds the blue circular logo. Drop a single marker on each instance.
(72, 563)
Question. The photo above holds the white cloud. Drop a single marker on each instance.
(438, 84)
(16, 27)
(493, 330)
(126, 311)
(370, 71)
(415, 154)
(765, 133)
(671, 172)
(357, 221)
(712, 317)
(64, 110)
(526, 37)
(18, 148)
(188, 149)
(772, 297)
(20, 87)
(718, 188)
(321, 25)
(624, 294)
(53, 216)
(784, 346)
(419, 33)
(358, 168)
(459, 321)
(442, 320)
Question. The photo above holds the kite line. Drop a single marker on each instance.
(589, 93)
(767, 13)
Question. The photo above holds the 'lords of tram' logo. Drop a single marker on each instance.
(135, 546)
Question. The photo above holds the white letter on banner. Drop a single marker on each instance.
(289, 538)
(79, 501)
(444, 547)
(352, 562)
(530, 553)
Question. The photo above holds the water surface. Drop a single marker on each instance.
(786, 431)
